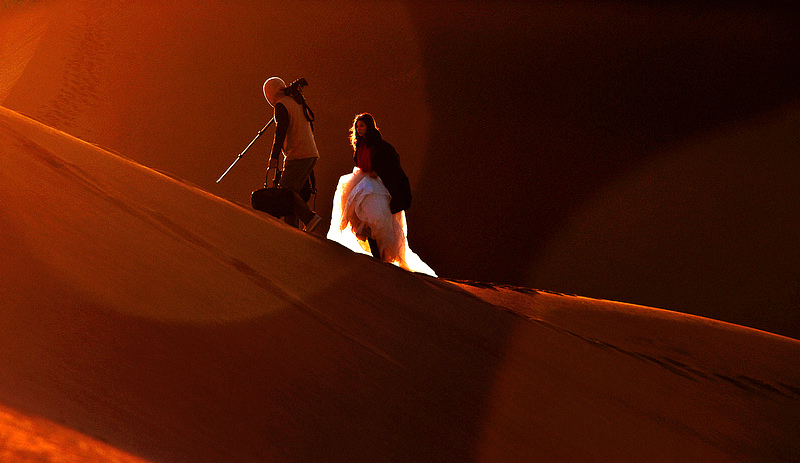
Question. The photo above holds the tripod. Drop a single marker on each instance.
(245, 149)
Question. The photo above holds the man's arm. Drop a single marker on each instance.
(281, 125)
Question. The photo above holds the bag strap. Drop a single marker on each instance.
(277, 178)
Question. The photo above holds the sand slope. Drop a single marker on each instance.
(147, 315)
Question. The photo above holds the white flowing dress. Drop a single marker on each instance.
(361, 211)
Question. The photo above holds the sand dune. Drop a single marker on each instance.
(146, 315)
(144, 318)
(543, 124)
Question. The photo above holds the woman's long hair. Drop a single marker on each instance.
(372, 136)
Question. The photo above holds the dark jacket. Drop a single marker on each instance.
(386, 164)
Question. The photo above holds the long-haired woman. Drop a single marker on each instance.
(369, 205)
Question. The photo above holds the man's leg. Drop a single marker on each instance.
(302, 211)
(295, 174)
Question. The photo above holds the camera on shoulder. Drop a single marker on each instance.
(295, 89)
